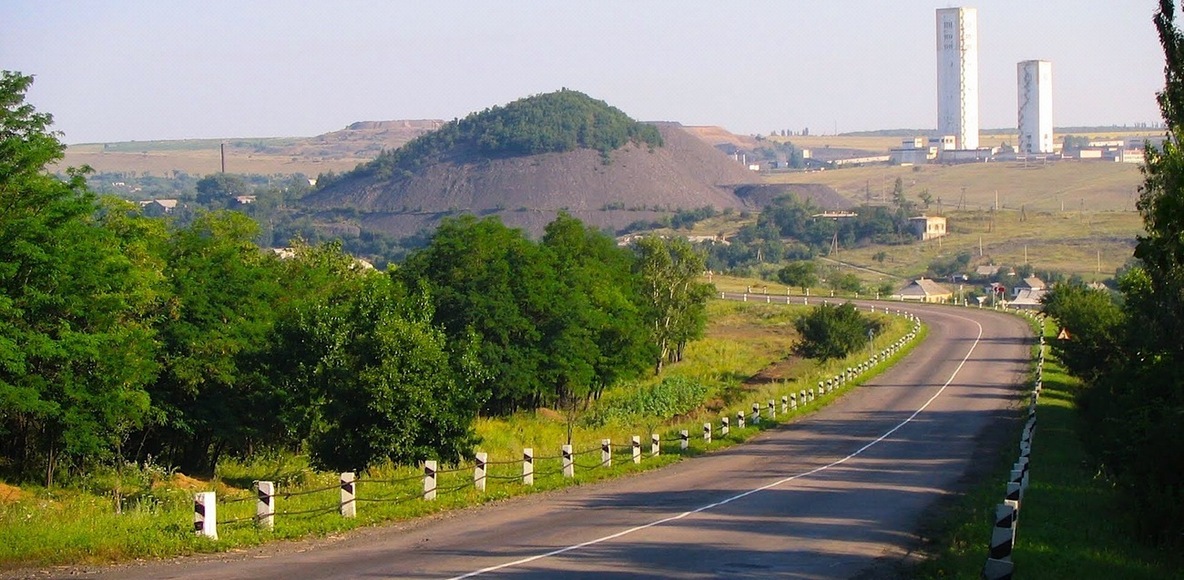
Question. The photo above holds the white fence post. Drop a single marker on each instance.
(707, 432)
(265, 507)
(724, 427)
(205, 514)
(793, 401)
(739, 419)
(772, 409)
(528, 466)
(569, 464)
(655, 445)
(684, 440)
(756, 413)
(479, 470)
(349, 508)
(1003, 534)
(606, 452)
(429, 479)
(636, 441)
(784, 403)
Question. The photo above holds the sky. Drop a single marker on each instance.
(122, 70)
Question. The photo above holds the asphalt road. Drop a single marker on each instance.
(839, 494)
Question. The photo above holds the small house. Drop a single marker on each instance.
(925, 290)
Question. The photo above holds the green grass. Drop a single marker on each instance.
(80, 525)
(1072, 521)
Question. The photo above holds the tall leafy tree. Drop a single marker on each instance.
(224, 291)
(372, 377)
(75, 346)
(676, 302)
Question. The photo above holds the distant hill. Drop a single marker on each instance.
(582, 156)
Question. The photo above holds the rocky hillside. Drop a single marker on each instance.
(608, 187)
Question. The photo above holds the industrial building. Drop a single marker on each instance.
(957, 76)
(1034, 80)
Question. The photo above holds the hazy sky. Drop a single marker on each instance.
(126, 70)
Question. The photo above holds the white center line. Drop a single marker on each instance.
(856, 453)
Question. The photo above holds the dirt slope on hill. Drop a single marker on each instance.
(638, 183)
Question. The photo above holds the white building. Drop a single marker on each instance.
(957, 75)
(1034, 79)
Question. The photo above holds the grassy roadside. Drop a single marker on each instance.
(79, 525)
(1072, 522)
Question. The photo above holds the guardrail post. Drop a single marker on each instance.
(802, 397)
(655, 445)
(684, 440)
(429, 479)
(772, 410)
(756, 413)
(349, 508)
(707, 432)
(739, 419)
(569, 464)
(528, 466)
(785, 403)
(1003, 533)
(205, 514)
(265, 507)
(479, 470)
(636, 444)
(606, 452)
(724, 427)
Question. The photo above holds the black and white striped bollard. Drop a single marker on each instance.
(528, 466)
(479, 462)
(265, 506)
(205, 514)
(569, 464)
(429, 479)
(349, 508)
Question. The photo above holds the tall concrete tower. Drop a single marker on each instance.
(957, 75)
(1034, 79)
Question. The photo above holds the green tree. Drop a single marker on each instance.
(372, 378)
(76, 346)
(829, 332)
(217, 190)
(802, 274)
(210, 391)
(676, 302)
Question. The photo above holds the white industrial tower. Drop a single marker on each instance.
(1034, 79)
(957, 75)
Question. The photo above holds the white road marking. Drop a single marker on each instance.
(856, 453)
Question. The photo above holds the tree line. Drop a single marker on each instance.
(1127, 349)
(123, 336)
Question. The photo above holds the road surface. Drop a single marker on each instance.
(839, 494)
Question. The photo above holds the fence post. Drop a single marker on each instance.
(724, 427)
(606, 452)
(528, 466)
(569, 464)
(205, 514)
(785, 403)
(349, 508)
(802, 397)
(429, 479)
(655, 445)
(739, 419)
(756, 413)
(1003, 533)
(636, 441)
(772, 409)
(479, 470)
(793, 401)
(998, 569)
(707, 432)
(265, 507)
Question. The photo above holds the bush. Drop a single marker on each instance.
(830, 332)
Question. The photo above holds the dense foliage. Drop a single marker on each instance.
(829, 332)
(788, 229)
(1130, 354)
(556, 122)
(124, 336)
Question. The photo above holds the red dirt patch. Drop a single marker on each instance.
(10, 494)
